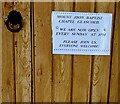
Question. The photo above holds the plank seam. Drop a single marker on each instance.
(14, 63)
(32, 52)
(14, 67)
(91, 79)
(52, 74)
(72, 65)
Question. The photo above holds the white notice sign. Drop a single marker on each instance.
(81, 33)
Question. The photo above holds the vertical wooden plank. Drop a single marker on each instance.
(43, 56)
(0, 52)
(22, 46)
(82, 65)
(62, 66)
(8, 93)
(118, 53)
(113, 97)
(101, 64)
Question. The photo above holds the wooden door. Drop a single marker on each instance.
(31, 73)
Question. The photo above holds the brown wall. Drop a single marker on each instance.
(31, 73)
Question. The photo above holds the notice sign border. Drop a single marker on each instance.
(79, 33)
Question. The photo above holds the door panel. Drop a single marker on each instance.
(31, 73)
